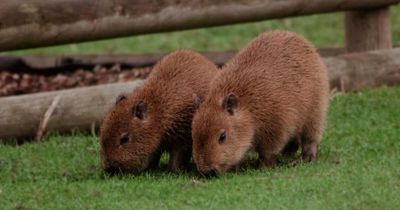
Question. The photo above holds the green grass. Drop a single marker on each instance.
(358, 168)
(323, 30)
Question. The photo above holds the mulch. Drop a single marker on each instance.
(32, 74)
(22, 83)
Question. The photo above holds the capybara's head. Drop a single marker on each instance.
(222, 133)
(127, 138)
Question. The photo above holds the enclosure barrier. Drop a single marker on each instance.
(83, 108)
(26, 23)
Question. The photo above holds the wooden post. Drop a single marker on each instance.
(368, 29)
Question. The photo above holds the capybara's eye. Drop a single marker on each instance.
(124, 139)
(222, 137)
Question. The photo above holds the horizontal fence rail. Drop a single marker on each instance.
(35, 23)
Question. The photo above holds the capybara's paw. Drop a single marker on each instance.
(173, 169)
(174, 166)
(309, 157)
(177, 166)
(309, 154)
(268, 162)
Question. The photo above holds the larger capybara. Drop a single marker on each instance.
(273, 92)
(157, 116)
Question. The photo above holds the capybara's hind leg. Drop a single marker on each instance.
(311, 138)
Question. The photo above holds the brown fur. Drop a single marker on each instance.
(157, 116)
(277, 91)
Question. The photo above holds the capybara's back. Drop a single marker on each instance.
(275, 91)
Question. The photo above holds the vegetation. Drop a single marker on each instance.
(358, 166)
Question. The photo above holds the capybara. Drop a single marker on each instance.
(157, 116)
(272, 93)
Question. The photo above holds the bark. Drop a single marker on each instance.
(35, 23)
(355, 71)
(79, 108)
(368, 30)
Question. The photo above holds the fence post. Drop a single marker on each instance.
(368, 30)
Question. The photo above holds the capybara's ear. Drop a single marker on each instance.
(120, 97)
(230, 103)
(140, 110)
(197, 100)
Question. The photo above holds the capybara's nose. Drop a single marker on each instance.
(209, 173)
(112, 170)
(111, 167)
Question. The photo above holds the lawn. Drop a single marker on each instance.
(358, 168)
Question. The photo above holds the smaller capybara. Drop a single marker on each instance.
(273, 93)
(157, 116)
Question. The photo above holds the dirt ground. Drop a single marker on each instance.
(23, 83)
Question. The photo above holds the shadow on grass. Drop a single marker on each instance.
(162, 173)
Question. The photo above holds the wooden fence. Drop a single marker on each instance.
(27, 23)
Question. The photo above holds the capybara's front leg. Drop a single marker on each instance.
(179, 159)
(269, 149)
(154, 160)
(267, 156)
(268, 160)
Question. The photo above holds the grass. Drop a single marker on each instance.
(358, 168)
(323, 30)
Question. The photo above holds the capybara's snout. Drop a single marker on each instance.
(209, 173)
(112, 167)
(209, 170)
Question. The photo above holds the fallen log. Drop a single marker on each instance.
(355, 71)
(27, 23)
(79, 108)
(82, 108)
